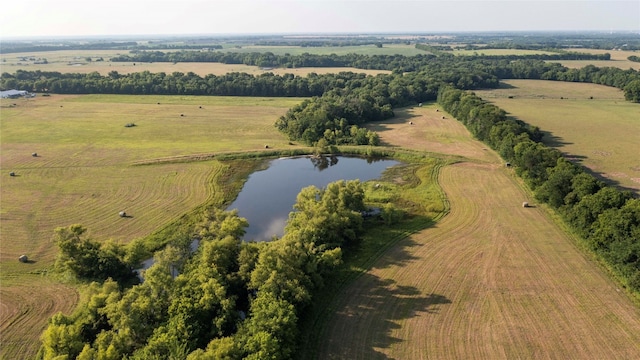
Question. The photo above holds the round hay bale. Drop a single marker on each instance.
(34, 154)
(12, 174)
(266, 146)
(122, 214)
(410, 122)
(525, 204)
(23, 258)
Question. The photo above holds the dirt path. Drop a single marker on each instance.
(492, 280)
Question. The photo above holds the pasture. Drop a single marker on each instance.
(602, 133)
(84, 173)
(491, 280)
(75, 61)
(618, 59)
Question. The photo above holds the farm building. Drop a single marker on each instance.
(12, 94)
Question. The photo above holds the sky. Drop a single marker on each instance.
(51, 18)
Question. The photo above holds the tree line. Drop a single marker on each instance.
(606, 218)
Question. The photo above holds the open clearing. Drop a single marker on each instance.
(492, 280)
(602, 133)
(84, 173)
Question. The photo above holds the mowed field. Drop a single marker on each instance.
(491, 280)
(74, 61)
(618, 59)
(602, 133)
(84, 173)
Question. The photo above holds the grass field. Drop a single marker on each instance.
(602, 133)
(618, 59)
(84, 174)
(74, 61)
(492, 280)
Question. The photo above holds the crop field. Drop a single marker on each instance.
(84, 173)
(491, 280)
(602, 133)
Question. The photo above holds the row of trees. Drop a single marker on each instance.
(461, 72)
(608, 219)
(230, 299)
(381, 62)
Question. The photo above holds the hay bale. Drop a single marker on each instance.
(12, 174)
(23, 258)
(266, 146)
(122, 214)
(34, 154)
(410, 122)
(525, 204)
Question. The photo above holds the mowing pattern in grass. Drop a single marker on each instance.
(25, 303)
(84, 173)
(602, 133)
(428, 128)
(491, 280)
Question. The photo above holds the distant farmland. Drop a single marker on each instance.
(602, 133)
(76, 61)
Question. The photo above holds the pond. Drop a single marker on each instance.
(268, 195)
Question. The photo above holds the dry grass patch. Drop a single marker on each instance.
(428, 128)
(25, 304)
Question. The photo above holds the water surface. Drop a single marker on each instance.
(268, 196)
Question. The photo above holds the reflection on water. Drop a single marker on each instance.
(269, 195)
